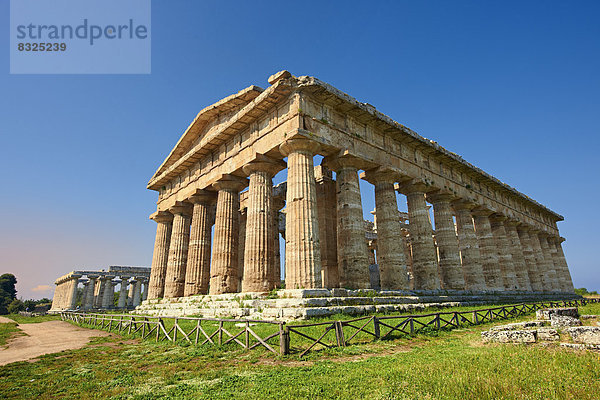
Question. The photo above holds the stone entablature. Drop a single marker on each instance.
(504, 240)
(98, 288)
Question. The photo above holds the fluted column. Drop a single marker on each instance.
(160, 257)
(542, 266)
(224, 268)
(259, 255)
(99, 295)
(109, 292)
(197, 274)
(123, 293)
(425, 266)
(548, 262)
(468, 247)
(137, 292)
(278, 204)
(86, 284)
(131, 293)
(487, 249)
(563, 261)
(91, 290)
(327, 210)
(516, 250)
(560, 276)
(72, 301)
(393, 273)
(451, 273)
(178, 250)
(352, 252)
(302, 248)
(243, 219)
(507, 268)
(532, 268)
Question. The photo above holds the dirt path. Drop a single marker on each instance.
(45, 338)
(4, 320)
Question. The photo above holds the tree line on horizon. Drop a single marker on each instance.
(9, 304)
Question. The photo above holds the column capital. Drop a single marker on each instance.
(381, 174)
(345, 160)
(561, 239)
(440, 197)
(181, 208)
(462, 204)
(278, 203)
(230, 183)
(264, 164)
(480, 211)
(414, 186)
(498, 218)
(299, 144)
(202, 196)
(512, 222)
(161, 216)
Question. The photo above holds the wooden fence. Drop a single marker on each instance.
(279, 337)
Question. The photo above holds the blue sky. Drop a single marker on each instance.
(513, 87)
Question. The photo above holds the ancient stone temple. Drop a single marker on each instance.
(219, 217)
(97, 289)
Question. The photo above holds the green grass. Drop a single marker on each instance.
(32, 320)
(8, 330)
(447, 365)
(592, 308)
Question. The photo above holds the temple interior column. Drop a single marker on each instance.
(197, 275)
(352, 251)
(530, 261)
(487, 249)
(224, 268)
(123, 293)
(393, 273)
(84, 293)
(518, 258)
(243, 218)
(259, 254)
(160, 257)
(451, 273)
(425, 267)
(468, 247)
(278, 204)
(178, 250)
(327, 210)
(507, 267)
(302, 246)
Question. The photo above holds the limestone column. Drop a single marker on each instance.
(518, 259)
(560, 277)
(393, 273)
(131, 293)
(425, 267)
(243, 218)
(548, 262)
(99, 295)
(197, 275)
(302, 247)
(327, 211)
(530, 262)
(90, 295)
(468, 247)
(352, 251)
(561, 255)
(487, 249)
(137, 292)
(109, 293)
(178, 250)
(145, 292)
(160, 256)
(278, 204)
(123, 293)
(507, 267)
(224, 268)
(540, 261)
(86, 284)
(451, 272)
(259, 255)
(72, 304)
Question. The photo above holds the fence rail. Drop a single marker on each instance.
(278, 337)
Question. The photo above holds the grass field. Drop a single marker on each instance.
(437, 365)
(7, 330)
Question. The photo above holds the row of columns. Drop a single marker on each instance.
(485, 251)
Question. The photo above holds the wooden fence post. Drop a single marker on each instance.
(376, 328)
(284, 339)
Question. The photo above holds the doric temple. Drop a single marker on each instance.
(486, 236)
(99, 289)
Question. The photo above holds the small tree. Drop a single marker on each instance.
(15, 306)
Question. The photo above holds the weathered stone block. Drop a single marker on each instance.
(509, 336)
(585, 334)
(562, 321)
(548, 334)
(519, 325)
(566, 311)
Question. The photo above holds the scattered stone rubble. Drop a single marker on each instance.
(563, 320)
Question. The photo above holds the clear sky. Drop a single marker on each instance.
(513, 87)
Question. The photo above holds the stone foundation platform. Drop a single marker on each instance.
(310, 303)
